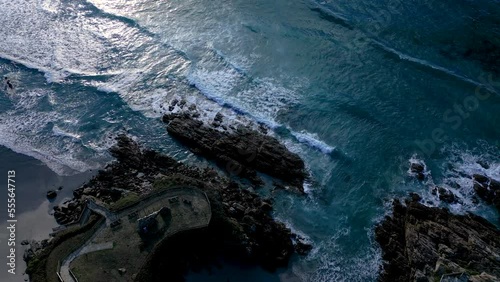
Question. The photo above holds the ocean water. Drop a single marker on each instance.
(356, 89)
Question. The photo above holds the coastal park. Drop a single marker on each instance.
(118, 250)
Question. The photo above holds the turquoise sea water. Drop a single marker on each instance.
(356, 89)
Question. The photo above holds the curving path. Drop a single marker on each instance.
(64, 271)
(89, 247)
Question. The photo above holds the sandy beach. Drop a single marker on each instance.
(34, 222)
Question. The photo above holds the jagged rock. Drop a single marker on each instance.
(420, 277)
(34, 249)
(487, 189)
(421, 242)
(218, 117)
(51, 194)
(182, 103)
(418, 170)
(127, 151)
(417, 167)
(494, 184)
(415, 197)
(266, 207)
(302, 248)
(446, 195)
(484, 164)
(480, 178)
(240, 152)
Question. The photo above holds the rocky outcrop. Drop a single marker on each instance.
(487, 189)
(446, 195)
(241, 227)
(241, 152)
(421, 243)
(417, 169)
(51, 194)
(34, 248)
(69, 212)
(263, 239)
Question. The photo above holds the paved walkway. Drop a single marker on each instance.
(64, 271)
(89, 247)
(110, 217)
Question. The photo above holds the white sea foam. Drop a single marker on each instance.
(43, 134)
(457, 171)
(261, 101)
(313, 141)
(460, 167)
(62, 41)
(415, 160)
(328, 262)
(60, 132)
(430, 65)
(23, 134)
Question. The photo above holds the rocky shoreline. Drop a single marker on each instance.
(421, 243)
(487, 189)
(241, 228)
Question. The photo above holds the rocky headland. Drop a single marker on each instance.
(421, 243)
(425, 243)
(242, 227)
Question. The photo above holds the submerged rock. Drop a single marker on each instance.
(421, 243)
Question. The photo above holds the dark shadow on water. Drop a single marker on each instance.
(233, 272)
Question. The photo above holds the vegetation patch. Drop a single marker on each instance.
(129, 199)
(42, 268)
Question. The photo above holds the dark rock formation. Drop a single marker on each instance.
(34, 248)
(421, 243)
(446, 195)
(487, 189)
(51, 194)
(241, 152)
(241, 227)
(69, 212)
(302, 248)
(417, 169)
